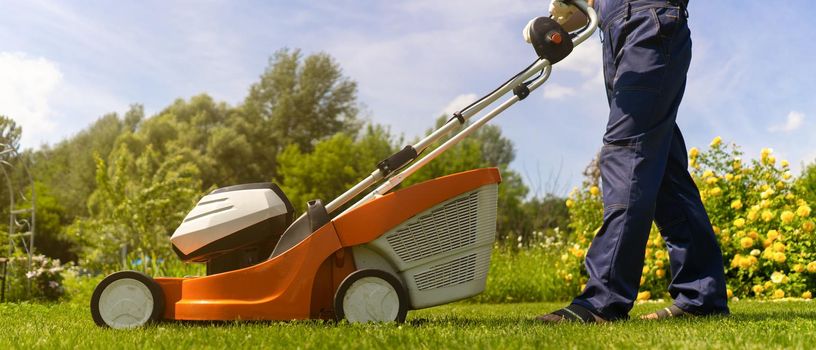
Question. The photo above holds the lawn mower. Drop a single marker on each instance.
(389, 252)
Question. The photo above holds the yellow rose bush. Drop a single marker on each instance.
(762, 220)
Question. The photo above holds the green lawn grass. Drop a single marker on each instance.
(753, 325)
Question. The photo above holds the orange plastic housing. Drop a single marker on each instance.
(301, 282)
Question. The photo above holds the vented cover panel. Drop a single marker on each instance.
(461, 270)
(443, 229)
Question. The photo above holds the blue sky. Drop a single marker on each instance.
(63, 64)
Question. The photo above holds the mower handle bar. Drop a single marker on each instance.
(541, 66)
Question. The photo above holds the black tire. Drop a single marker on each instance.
(402, 295)
(154, 288)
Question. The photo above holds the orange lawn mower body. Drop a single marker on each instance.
(301, 283)
(389, 252)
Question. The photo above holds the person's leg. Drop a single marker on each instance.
(698, 277)
(651, 52)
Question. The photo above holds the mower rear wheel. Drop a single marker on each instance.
(127, 299)
(371, 296)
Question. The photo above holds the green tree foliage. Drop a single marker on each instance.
(298, 101)
(138, 201)
(10, 132)
(336, 164)
(50, 238)
(69, 167)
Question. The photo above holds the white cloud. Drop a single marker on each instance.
(555, 91)
(586, 59)
(793, 122)
(26, 88)
(458, 103)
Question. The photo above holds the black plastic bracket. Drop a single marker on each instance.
(459, 117)
(521, 91)
(397, 160)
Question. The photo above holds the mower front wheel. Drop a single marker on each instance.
(127, 299)
(371, 296)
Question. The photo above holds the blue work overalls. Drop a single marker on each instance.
(644, 166)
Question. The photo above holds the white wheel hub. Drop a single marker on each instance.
(126, 303)
(371, 299)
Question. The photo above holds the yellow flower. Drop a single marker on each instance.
(736, 205)
(737, 163)
(569, 203)
(808, 226)
(811, 267)
(773, 234)
(787, 175)
(777, 277)
(594, 190)
(768, 284)
(642, 280)
(694, 152)
(771, 160)
(746, 242)
(798, 268)
(568, 277)
(714, 192)
(752, 215)
(787, 216)
(659, 263)
(767, 193)
(780, 185)
(645, 270)
(767, 215)
(739, 222)
(736, 261)
(778, 294)
(660, 273)
(766, 243)
(779, 257)
(807, 295)
(757, 289)
(660, 254)
(712, 180)
(764, 153)
(779, 247)
(803, 211)
(644, 296)
(747, 262)
(716, 141)
(784, 163)
(708, 173)
(753, 234)
(729, 293)
(716, 230)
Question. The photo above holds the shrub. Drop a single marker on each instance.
(763, 224)
(45, 278)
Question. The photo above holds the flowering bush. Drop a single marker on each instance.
(45, 278)
(763, 224)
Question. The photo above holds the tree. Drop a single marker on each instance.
(297, 101)
(50, 238)
(138, 201)
(336, 164)
(69, 167)
(10, 133)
